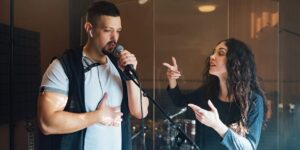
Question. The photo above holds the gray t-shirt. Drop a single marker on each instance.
(100, 79)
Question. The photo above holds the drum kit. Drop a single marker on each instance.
(163, 135)
(168, 137)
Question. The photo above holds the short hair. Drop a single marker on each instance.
(101, 8)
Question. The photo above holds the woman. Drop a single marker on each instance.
(229, 106)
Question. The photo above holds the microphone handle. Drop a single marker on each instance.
(130, 71)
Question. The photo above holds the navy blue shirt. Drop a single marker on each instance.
(229, 113)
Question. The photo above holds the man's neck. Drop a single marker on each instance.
(95, 54)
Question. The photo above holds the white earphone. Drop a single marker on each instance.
(91, 34)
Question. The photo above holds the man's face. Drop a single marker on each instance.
(106, 33)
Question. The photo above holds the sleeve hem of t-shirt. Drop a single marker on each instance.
(55, 90)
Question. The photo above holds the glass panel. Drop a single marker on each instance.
(41, 32)
(289, 108)
(155, 31)
(256, 23)
(137, 37)
(189, 35)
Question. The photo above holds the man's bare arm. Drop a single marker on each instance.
(52, 118)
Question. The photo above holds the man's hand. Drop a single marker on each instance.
(109, 116)
(126, 58)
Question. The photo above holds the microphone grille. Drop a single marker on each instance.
(119, 48)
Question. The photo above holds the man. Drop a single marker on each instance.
(85, 100)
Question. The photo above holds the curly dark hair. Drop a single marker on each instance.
(242, 79)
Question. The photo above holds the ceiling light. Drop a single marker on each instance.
(142, 2)
(207, 8)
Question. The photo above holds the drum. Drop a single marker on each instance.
(188, 126)
(167, 134)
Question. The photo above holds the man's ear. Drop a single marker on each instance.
(88, 28)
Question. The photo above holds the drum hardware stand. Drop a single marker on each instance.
(137, 134)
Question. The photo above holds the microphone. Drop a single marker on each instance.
(129, 69)
(178, 113)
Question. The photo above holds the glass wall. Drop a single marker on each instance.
(183, 31)
(288, 108)
(155, 31)
(41, 31)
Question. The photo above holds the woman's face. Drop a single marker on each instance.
(218, 60)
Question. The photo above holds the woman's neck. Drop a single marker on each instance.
(223, 95)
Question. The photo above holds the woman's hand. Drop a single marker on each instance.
(209, 118)
(173, 74)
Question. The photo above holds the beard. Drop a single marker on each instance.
(109, 47)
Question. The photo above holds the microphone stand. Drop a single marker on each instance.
(132, 75)
(136, 134)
